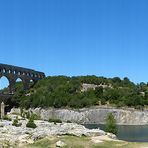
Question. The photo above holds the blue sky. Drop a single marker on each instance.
(76, 37)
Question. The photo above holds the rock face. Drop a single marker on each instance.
(86, 86)
(94, 115)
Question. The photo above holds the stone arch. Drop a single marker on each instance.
(19, 83)
(4, 70)
(19, 79)
(4, 83)
(14, 72)
(19, 73)
(9, 71)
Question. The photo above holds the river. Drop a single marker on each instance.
(132, 133)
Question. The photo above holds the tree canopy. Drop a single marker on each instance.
(63, 91)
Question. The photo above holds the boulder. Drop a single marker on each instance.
(60, 144)
(112, 136)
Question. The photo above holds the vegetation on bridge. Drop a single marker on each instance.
(62, 91)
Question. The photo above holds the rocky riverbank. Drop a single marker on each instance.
(13, 136)
(93, 115)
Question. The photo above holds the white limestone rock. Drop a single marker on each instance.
(96, 115)
(16, 111)
(112, 136)
(60, 144)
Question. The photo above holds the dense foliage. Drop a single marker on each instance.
(62, 91)
(111, 124)
(31, 123)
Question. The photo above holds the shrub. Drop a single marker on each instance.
(111, 124)
(120, 104)
(55, 120)
(6, 118)
(15, 122)
(139, 107)
(103, 101)
(31, 125)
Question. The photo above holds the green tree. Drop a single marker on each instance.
(111, 124)
(63, 91)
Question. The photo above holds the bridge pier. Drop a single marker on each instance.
(26, 84)
(11, 86)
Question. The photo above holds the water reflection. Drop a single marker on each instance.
(133, 133)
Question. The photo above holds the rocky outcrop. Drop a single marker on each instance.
(93, 115)
(86, 87)
(21, 135)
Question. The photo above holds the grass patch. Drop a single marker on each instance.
(83, 142)
(43, 143)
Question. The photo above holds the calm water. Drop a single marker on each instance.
(133, 133)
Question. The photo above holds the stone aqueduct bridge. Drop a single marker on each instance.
(12, 73)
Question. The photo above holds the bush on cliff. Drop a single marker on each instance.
(111, 124)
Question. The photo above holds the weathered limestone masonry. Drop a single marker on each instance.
(94, 115)
(12, 73)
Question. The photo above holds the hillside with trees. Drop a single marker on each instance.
(63, 91)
